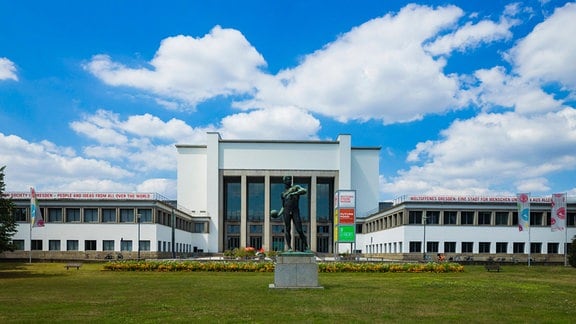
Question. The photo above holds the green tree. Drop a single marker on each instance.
(7, 222)
(572, 253)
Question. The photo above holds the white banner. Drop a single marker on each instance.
(558, 219)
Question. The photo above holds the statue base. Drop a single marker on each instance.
(296, 270)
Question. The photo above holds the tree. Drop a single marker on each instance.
(7, 222)
(572, 253)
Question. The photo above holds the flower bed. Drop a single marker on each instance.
(233, 266)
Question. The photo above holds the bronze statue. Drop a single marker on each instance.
(291, 212)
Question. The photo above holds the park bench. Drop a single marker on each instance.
(492, 267)
(73, 265)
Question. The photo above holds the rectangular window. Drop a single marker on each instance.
(515, 218)
(126, 215)
(324, 199)
(125, 245)
(37, 245)
(431, 246)
(501, 218)
(570, 219)
(323, 229)
(518, 247)
(54, 215)
(72, 215)
(450, 217)
(20, 214)
(198, 228)
(467, 218)
(467, 247)
(54, 245)
(232, 199)
(501, 247)
(108, 215)
(90, 215)
(255, 199)
(536, 218)
(233, 242)
(256, 242)
(277, 243)
(484, 247)
(233, 229)
(535, 247)
(415, 217)
(277, 229)
(433, 217)
(145, 215)
(72, 245)
(90, 245)
(108, 245)
(415, 246)
(144, 245)
(553, 248)
(484, 218)
(18, 245)
(255, 229)
(449, 247)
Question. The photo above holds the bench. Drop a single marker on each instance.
(492, 267)
(73, 265)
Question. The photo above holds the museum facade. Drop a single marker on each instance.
(226, 190)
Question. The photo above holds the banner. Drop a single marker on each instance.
(35, 214)
(558, 217)
(523, 211)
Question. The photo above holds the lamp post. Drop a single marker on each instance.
(424, 221)
(138, 220)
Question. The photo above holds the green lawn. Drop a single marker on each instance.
(47, 292)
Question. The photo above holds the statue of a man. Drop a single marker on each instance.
(291, 212)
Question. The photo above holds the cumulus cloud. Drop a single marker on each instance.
(378, 70)
(7, 70)
(49, 167)
(187, 70)
(165, 186)
(548, 53)
(472, 35)
(491, 151)
(145, 142)
(499, 89)
(275, 123)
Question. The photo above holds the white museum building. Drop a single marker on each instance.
(227, 188)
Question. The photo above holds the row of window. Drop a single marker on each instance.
(484, 247)
(465, 217)
(111, 215)
(88, 215)
(255, 197)
(107, 245)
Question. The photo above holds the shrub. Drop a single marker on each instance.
(251, 266)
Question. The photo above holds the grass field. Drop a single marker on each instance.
(47, 292)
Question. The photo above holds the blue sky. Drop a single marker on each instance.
(463, 97)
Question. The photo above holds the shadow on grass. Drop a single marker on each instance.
(21, 274)
(21, 271)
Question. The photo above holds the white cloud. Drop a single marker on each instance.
(491, 151)
(378, 70)
(7, 70)
(274, 123)
(524, 96)
(548, 53)
(48, 167)
(189, 70)
(472, 35)
(165, 186)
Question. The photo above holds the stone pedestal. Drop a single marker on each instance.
(296, 270)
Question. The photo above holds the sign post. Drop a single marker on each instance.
(344, 219)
